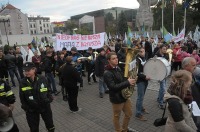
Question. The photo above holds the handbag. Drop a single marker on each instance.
(161, 121)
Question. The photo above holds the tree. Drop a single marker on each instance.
(122, 23)
(70, 26)
(193, 17)
(85, 29)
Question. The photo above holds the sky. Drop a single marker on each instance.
(60, 10)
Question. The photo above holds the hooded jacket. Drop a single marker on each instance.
(180, 117)
(115, 82)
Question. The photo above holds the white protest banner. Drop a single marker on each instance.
(81, 42)
(179, 37)
(24, 54)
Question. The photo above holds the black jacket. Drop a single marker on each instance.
(148, 49)
(6, 95)
(35, 95)
(48, 64)
(70, 76)
(19, 61)
(3, 63)
(10, 61)
(90, 64)
(115, 82)
(100, 65)
(140, 62)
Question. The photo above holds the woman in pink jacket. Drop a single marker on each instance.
(195, 56)
(177, 57)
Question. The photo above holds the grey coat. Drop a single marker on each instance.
(186, 125)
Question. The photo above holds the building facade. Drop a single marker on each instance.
(39, 25)
(58, 27)
(99, 23)
(18, 21)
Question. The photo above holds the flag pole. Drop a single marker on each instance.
(185, 18)
(173, 19)
(162, 18)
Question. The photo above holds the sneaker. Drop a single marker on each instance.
(107, 91)
(56, 93)
(89, 83)
(79, 110)
(161, 107)
(141, 118)
(145, 111)
(131, 130)
(101, 95)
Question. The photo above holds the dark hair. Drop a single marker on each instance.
(69, 59)
(110, 54)
(163, 45)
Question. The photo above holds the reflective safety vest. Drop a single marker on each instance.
(3, 92)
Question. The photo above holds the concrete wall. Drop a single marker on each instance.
(22, 39)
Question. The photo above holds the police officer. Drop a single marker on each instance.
(7, 99)
(35, 97)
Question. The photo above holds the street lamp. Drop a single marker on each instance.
(4, 20)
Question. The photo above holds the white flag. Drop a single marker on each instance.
(179, 37)
(132, 65)
(24, 53)
(30, 55)
(39, 53)
(106, 38)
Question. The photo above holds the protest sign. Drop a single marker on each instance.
(81, 42)
(179, 37)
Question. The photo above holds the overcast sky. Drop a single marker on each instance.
(59, 10)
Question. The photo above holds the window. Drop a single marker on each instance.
(34, 25)
(47, 25)
(19, 16)
(31, 25)
(40, 22)
(35, 31)
(44, 30)
(47, 30)
(44, 25)
(31, 31)
(40, 28)
(10, 32)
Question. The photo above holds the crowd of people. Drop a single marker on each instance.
(108, 64)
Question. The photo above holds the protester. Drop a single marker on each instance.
(90, 65)
(11, 65)
(49, 67)
(70, 77)
(142, 84)
(116, 82)
(178, 98)
(162, 52)
(99, 70)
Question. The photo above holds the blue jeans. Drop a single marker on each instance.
(51, 81)
(161, 92)
(141, 89)
(12, 72)
(102, 85)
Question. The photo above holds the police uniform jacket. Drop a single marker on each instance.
(35, 95)
(6, 95)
